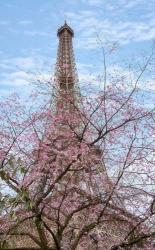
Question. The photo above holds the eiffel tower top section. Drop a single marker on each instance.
(63, 28)
(65, 75)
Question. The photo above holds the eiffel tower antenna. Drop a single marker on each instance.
(65, 17)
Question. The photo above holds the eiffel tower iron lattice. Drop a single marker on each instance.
(66, 75)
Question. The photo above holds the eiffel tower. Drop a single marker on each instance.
(66, 75)
(66, 78)
(66, 81)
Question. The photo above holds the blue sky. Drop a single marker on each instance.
(28, 41)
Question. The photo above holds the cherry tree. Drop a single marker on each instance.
(81, 175)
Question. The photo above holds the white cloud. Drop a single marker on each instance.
(4, 22)
(25, 63)
(25, 22)
(129, 76)
(35, 33)
(94, 2)
(29, 63)
(120, 6)
(88, 23)
(15, 79)
(124, 77)
(125, 4)
(22, 71)
(148, 84)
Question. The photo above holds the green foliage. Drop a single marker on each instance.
(3, 245)
(3, 174)
(22, 170)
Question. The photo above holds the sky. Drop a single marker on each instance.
(28, 40)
